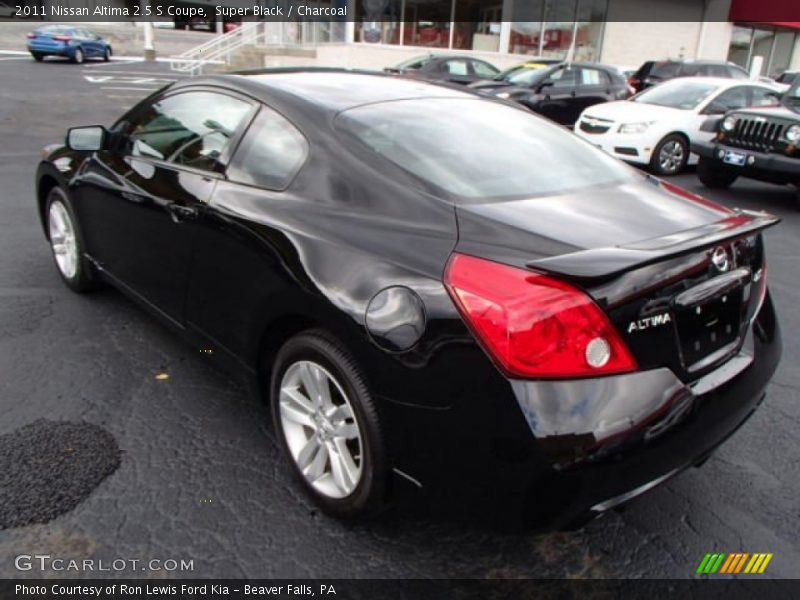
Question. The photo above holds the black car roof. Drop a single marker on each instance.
(334, 89)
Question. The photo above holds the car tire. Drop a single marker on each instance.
(37, 56)
(334, 443)
(670, 155)
(713, 175)
(66, 243)
(107, 54)
(78, 56)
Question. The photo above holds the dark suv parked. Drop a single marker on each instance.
(759, 143)
(654, 72)
(561, 92)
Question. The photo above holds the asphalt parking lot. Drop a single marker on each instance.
(199, 475)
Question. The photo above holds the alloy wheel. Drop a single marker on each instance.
(320, 429)
(62, 239)
(670, 158)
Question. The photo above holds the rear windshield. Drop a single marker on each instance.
(665, 70)
(480, 149)
(54, 29)
(685, 94)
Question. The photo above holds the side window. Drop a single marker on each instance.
(733, 98)
(763, 97)
(456, 67)
(270, 154)
(564, 78)
(594, 77)
(481, 69)
(191, 129)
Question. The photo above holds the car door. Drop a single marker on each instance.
(139, 201)
(733, 98)
(224, 300)
(557, 95)
(594, 87)
(98, 46)
(87, 41)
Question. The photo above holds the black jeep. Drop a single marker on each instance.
(761, 143)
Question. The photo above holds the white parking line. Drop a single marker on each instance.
(16, 58)
(141, 89)
(15, 52)
(128, 60)
(153, 74)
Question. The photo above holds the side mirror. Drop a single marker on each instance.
(711, 125)
(544, 84)
(87, 139)
(715, 109)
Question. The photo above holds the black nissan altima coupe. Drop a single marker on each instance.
(442, 296)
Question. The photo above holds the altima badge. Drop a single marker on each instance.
(649, 322)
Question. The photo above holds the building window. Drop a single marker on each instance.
(477, 25)
(739, 50)
(774, 46)
(781, 53)
(379, 21)
(549, 28)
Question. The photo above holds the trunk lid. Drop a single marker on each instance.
(680, 277)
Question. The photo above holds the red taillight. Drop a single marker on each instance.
(533, 325)
(62, 38)
(633, 82)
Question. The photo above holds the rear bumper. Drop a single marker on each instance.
(772, 167)
(586, 446)
(51, 49)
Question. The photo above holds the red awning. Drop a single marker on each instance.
(774, 12)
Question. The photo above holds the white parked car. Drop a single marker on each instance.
(657, 126)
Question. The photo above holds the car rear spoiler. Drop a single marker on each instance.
(603, 263)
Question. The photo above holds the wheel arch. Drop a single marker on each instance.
(274, 335)
(680, 133)
(44, 184)
(295, 317)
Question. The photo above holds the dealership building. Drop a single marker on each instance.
(620, 32)
(377, 33)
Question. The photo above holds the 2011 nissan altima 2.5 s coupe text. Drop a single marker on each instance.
(442, 296)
